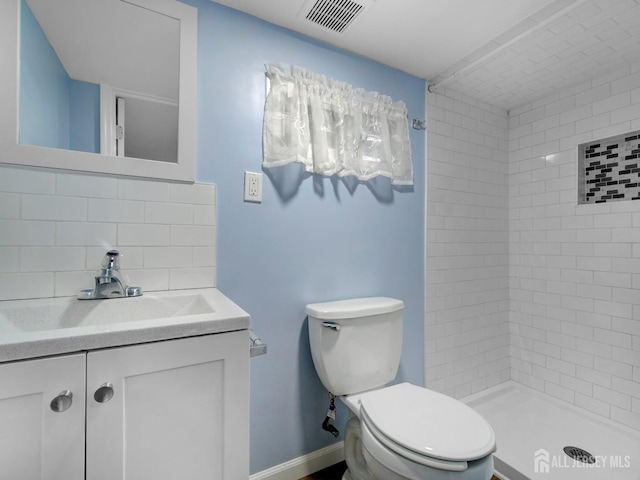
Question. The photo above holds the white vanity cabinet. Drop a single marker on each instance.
(180, 409)
(163, 410)
(35, 441)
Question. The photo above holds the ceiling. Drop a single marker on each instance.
(504, 52)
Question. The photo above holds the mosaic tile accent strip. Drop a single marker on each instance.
(609, 169)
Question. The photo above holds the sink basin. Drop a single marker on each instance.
(54, 315)
(33, 328)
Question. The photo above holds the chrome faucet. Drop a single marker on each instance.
(109, 282)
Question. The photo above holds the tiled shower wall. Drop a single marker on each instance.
(56, 226)
(574, 270)
(467, 278)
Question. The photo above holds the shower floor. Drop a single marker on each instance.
(532, 429)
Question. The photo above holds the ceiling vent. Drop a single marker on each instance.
(334, 15)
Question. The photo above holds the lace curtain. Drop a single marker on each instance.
(334, 129)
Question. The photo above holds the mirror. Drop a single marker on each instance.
(137, 62)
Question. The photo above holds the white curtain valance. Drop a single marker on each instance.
(334, 129)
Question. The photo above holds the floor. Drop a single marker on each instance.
(330, 473)
(335, 473)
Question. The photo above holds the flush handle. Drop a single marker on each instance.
(104, 393)
(62, 402)
(332, 325)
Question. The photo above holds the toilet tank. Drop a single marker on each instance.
(356, 344)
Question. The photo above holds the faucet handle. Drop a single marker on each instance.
(111, 260)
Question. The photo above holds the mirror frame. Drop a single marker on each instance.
(14, 153)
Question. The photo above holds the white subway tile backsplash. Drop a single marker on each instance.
(26, 180)
(204, 215)
(204, 256)
(143, 190)
(199, 194)
(165, 257)
(115, 211)
(51, 259)
(9, 205)
(87, 186)
(200, 277)
(143, 235)
(150, 279)
(56, 227)
(26, 232)
(196, 235)
(168, 213)
(69, 284)
(9, 259)
(85, 234)
(53, 207)
(18, 286)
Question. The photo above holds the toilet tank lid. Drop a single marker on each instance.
(354, 308)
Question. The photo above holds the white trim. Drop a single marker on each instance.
(304, 465)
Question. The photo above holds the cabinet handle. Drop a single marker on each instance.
(62, 402)
(104, 393)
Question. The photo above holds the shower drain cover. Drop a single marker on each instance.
(579, 454)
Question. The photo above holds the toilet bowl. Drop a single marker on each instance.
(410, 432)
(399, 432)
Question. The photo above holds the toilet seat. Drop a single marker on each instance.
(426, 427)
(388, 452)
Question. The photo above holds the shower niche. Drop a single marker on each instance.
(609, 169)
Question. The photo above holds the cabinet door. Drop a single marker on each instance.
(37, 442)
(179, 409)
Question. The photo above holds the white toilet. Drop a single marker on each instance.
(398, 432)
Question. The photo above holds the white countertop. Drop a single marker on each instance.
(51, 326)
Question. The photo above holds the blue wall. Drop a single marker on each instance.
(319, 242)
(55, 111)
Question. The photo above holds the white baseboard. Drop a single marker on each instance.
(304, 465)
